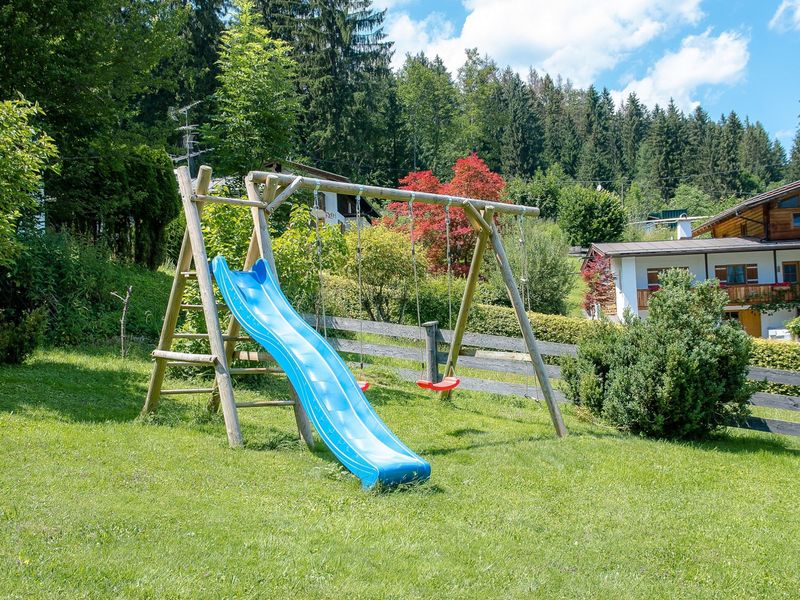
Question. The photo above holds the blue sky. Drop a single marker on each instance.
(740, 55)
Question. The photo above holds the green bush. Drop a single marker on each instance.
(543, 259)
(501, 320)
(680, 373)
(587, 375)
(387, 272)
(72, 281)
(24, 154)
(20, 337)
(588, 215)
(794, 328)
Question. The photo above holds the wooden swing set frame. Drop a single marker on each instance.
(277, 188)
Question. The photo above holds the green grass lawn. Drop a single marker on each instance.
(95, 503)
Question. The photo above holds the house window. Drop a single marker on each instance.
(736, 274)
(793, 202)
(654, 275)
(743, 230)
(795, 219)
(790, 272)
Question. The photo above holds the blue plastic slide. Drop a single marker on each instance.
(335, 404)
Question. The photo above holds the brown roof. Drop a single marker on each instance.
(747, 204)
(691, 246)
(289, 166)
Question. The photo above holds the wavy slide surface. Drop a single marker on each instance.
(335, 405)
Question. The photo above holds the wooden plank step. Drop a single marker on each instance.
(220, 306)
(189, 274)
(186, 391)
(204, 336)
(265, 403)
(254, 370)
(253, 356)
(186, 357)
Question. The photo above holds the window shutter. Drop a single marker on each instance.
(752, 273)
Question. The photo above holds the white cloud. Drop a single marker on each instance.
(390, 4)
(785, 136)
(411, 36)
(574, 38)
(787, 16)
(701, 60)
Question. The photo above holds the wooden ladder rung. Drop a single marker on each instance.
(185, 357)
(219, 305)
(189, 274)
(252, 356)
(254, 370)
(187, 391)
(265, 403)
(203, 336)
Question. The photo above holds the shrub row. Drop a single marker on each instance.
(72, 281)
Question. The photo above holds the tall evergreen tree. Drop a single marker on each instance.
(478, 117)
(521, 134)
(429, 100)
(755, 153)
(596, 159)
(793, 168)
(633, 131)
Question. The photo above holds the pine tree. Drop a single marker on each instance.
(728, 169)
(634, 129)
(793, 168)
(596, 158)
(479, 114)
(428, 98)
(755, 153)
(521, 135)
(343, 66)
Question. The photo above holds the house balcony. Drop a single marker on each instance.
(740, 294)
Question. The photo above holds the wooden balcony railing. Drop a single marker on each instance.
(740, 294)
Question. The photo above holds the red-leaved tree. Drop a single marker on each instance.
(597, 274)
(471, 179)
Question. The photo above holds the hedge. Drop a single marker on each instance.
(501, 320)
(341, 298)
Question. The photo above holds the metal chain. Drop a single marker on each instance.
(360, 282)
(449, 265)
(320, 297)
(416, 278)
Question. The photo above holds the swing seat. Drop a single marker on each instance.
(364, 385)
(445, 385)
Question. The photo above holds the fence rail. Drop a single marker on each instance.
(501, 354)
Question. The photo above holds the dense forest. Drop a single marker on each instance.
(311, 80)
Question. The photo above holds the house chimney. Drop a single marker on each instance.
(684, 227)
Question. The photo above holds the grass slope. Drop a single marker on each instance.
(94, 503)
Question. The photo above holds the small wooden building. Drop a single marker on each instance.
(340, 209)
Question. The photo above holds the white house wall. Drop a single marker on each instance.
(624, 270)
(694, 262)
(766, 267)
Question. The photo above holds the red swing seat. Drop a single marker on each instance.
(445, 385)
(364, 385)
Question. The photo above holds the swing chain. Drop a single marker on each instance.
(449, 264)
(416, 278)
(320, 298)
(360, 281)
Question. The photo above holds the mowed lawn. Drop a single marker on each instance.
(95, 503)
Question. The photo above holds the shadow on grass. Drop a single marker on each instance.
(737, 444)
(78, 394)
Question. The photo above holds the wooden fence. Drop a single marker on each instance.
(500, 354)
